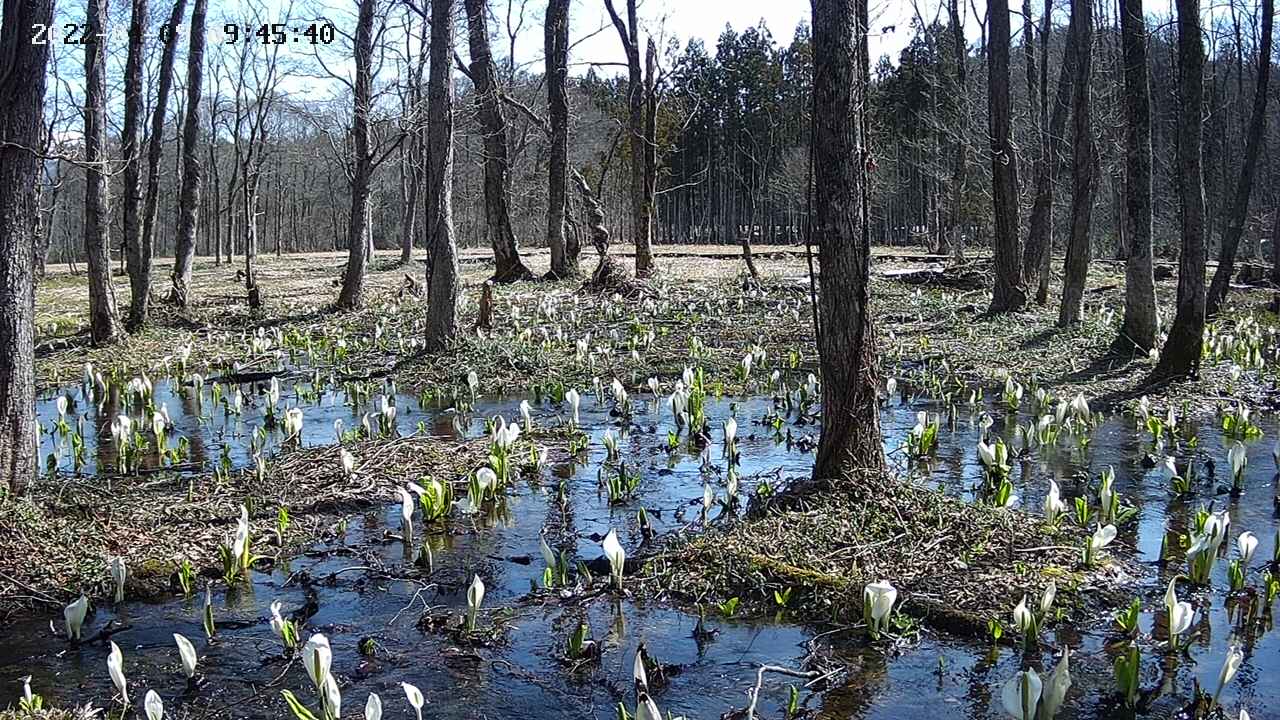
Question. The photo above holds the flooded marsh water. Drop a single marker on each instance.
(364, 590)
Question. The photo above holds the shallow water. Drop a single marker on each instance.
(367, 588)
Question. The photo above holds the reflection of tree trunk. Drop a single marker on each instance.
(97, 218)
(1181, 353)
(564, 259)
(131, 226)
(442, 269)
(1140, 321)
(1239, 211)
(506, 251)
(1083, 170)
(1008, 293)
(850, 418)
(189, 193)
(22, 84)
(358, 232)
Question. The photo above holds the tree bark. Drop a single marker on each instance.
(1008, 292)
(1083, 171)
(131, 212)
(960, 163)
(1239, 211)
(641, 200)
(1141, 323)
(361, 163)
(97, 218)
(140, 279)
(443, 283)
(22, 84)
(850, 416)
(189, 193)
(564, 259)
(1039, 249)
(506, 251)
(1181, 353)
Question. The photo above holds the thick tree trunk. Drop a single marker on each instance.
(1181, 353)
(189, 193)
(443, 282)
(22, 83)
(850, 416)
(563, 262)
(1141, 323)
(97, 217)
(139, 279)
(506, 251)
(1039, 247)
(1008, 292)
(1083, 171)
(361, 163)
(641, 200)
(1239, 211)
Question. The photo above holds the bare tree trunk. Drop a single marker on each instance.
(960, 163)
(189, 194)
(443, 281)
(1239, 211)
(1083, 171)
(97, 217)
(641, 201)
(22, 84)
(1039, 248)
(850, 417)
(1008, 293)
(1181, 353)
(506, 251)
(563, 262)
(1141, 323)
(131, 211)
(361, 163)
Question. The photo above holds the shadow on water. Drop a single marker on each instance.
(362, 586)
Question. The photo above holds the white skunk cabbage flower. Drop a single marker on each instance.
(548, 555)
(1230, 666)
(387, 409)
(153, 705)
(1247, 543)
(730, 431)
(574, 400)
(337, 430)
(526, 415)
(373, 707)
(1046, 598)
(638, 673)
(348, 461)
(473, 381)
(187, 654)
(1080, 408)
(646, 708)
(1180, 618)
(1021, 695)
(1238, 459)
(1102, 537)
(74, 614)
(1056, 686)
(878, 599)
(1023, 619)
(475, 596)
(317, 658)
(414, 696)
(616, 555)
(406, 511)
(277, 620)
(119, 573)
(891, 387)
(654, 387)
(986, 454)
(61, 404)
(1053, 504)
(332, 697)
(293, 422)
(115, 668)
